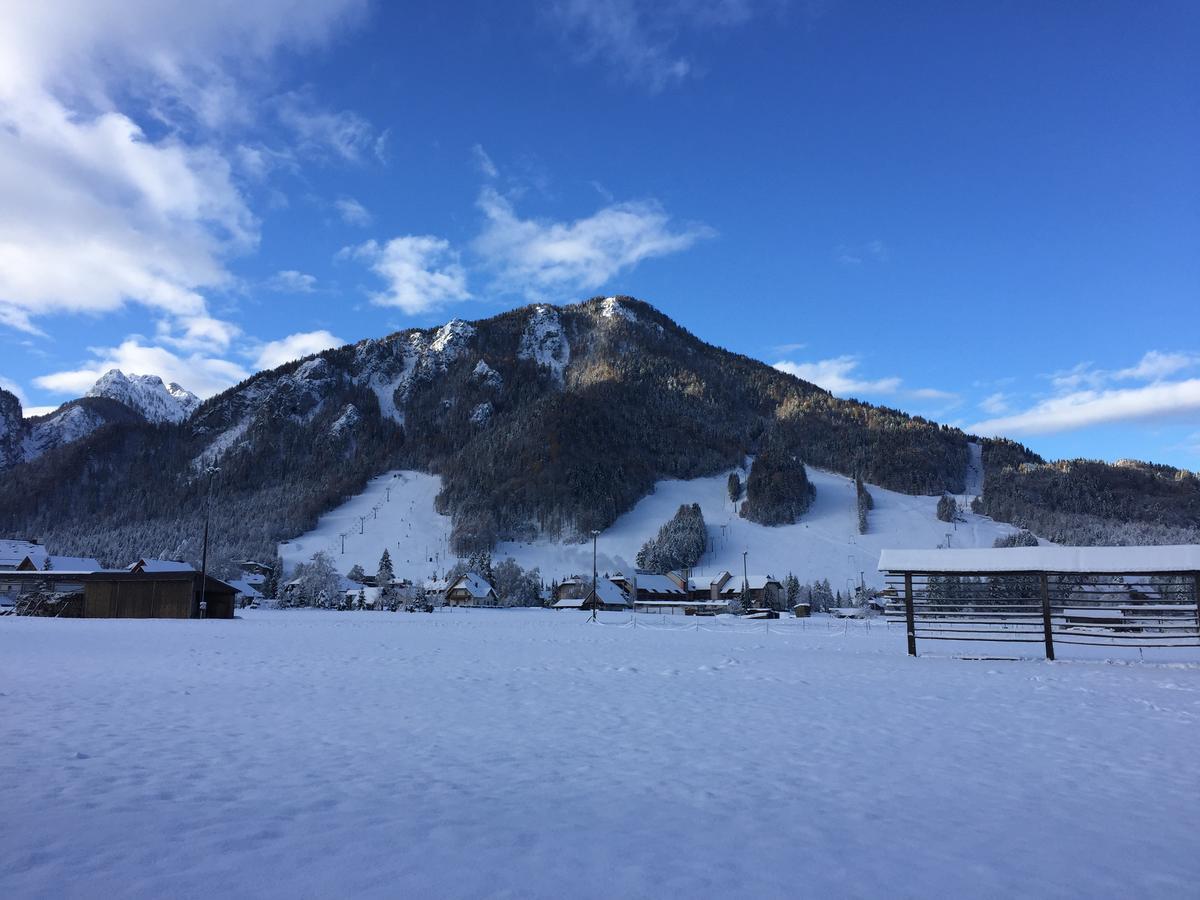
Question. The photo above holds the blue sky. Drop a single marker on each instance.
(986, 214)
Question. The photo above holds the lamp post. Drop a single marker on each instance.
(745, 581)
(595, 596)
(212, 470)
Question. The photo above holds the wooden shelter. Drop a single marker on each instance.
(132, 595)
(1097, 596)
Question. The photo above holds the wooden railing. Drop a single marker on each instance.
(1048, 608)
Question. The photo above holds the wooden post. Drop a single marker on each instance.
(1196, 599)
(909, 616)
(1046, 624)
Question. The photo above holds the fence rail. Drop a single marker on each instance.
(1141, 610)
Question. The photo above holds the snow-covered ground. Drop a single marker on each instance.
(527, 753)
(825, 543)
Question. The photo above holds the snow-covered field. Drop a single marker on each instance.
(825, 543)
(526, 753)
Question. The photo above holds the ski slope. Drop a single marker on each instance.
(825, 543)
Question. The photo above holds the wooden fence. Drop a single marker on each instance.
(1051, 609)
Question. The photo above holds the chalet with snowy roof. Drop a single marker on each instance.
(247, 593)
(607, 596)
(13, 553)
(435, 591)
(60, 564)
(571, 589)
(471, 590)
(651, 586)
(727, 587)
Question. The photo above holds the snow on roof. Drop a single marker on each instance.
(610, 594)
(755, 582)
(656, 584)
(12, 553)
(162, 565)
(73, 564)
(473, 584)
(242, 586)
(437, 584)
(569, 603)
(1111, 560)
(705, 582)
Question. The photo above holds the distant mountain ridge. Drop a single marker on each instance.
(115, 399)
(148, 395)
(543, 420)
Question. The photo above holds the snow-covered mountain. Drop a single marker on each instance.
(115, 398)
(538, 425)
(147, 394)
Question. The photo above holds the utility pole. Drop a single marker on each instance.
(745, 580)
(595, 596)
(212, 470)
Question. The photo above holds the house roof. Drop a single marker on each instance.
(1098, 560)
(245, 587)
(569, 603)
(162, 565)
(75, 563)
(609, 593)
(656, 584)
(755, 583)
(705, 582)
(472, 584)
(13, 552)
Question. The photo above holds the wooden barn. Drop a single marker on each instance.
(131, 595)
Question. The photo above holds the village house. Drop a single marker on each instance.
(471, 590)
(651, 586)
(14, 552)
(607, 596)
(727, 587)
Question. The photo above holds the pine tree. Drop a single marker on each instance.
(735, 487)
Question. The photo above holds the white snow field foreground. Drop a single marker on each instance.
(396, 512)
(527, 753)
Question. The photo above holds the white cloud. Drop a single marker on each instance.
(198, 333)
(202, 374)
(1156, 365)
(533, 256)
(1080, 409)
(637, 38)
(353, 212)
(422, 272)
(323, 132)
(295, 346)
(838, 376)
(15, 389)
(871, 251)
(289, 281)
(995, 404)
(95, 211)
(484, 162)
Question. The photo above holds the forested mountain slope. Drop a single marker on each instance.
(543, 420)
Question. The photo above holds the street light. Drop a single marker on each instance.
(211, 471)
(745, 580)
(595, 596)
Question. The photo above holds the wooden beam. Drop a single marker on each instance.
(910, 618)
(1046, 622)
